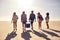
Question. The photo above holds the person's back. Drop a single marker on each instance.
(14, 20)
(47, 19)
(40, 17)
(32, 16)
(23, 18)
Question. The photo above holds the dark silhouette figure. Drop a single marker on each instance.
(55, 30)
(26, 35)
(47, 19)
(11, 35)
(51, 33)
(23, 20)
(14, 20)
(32, 18)
(40, 19)
(41, 35)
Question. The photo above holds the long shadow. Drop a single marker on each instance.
(11, 35)
(26, 35)
(55, 30)
(41, 35)
(51, 33)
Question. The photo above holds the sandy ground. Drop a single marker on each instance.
(53, 33)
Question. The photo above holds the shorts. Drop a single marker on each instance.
(32, 21)
(24, 22)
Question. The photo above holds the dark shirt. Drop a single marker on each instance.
(32, 16)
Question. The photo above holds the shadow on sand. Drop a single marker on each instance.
(26, 35)
(11, 35)
(51, 33)
(41, 35)
(55, 30)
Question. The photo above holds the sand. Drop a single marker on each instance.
(53, 33)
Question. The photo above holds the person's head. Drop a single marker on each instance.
(23, 12)
(32, 11)
(38, 13)
(14, 13)
(47, 13)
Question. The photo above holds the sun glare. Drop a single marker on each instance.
(24, 3)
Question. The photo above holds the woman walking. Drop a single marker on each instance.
(40, 19)
(47, 19)
(14, 20)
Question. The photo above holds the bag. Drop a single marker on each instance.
(27, 25)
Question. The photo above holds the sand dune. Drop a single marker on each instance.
(45, 34)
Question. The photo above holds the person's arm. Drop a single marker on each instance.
(17, 17)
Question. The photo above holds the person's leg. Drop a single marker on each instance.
(16, 26)
(32, 25)
(47, 25)
(39, 25)
(13, 26)
(23, 26)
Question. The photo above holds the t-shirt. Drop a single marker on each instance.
(23, 18)
(32, 16)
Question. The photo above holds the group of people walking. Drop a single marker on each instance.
(32, 17)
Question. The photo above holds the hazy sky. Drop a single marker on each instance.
(7, 7)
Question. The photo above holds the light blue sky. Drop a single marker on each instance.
(7, 7)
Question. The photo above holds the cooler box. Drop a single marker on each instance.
(27, 25)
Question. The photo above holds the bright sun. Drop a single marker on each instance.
(24, 3)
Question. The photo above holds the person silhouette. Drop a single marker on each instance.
(14, 20)
(47, 19)
(40, 19)
(23, 20)
(31, 19)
